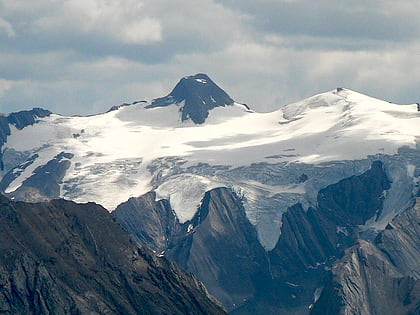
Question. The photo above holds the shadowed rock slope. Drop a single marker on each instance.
(151, 223)
(223, 249)
(219, 245)
(382, 277)
(66, 258)
(312, 241)
(19, 120)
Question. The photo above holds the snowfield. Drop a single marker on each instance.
(132, 150)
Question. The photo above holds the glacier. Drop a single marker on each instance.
(272, 160)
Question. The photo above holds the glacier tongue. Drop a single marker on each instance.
(185, 192)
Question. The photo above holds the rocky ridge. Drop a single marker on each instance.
(221, 247)
(66, 258)
(379, 277)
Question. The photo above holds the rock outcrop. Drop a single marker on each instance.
(151, 223)
(218, 245)
(20, 120)
(198, 94)
(66, 258)
(380, 277)
(43, 184)
(223, 249)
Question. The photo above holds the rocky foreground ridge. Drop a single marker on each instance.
(66, 258)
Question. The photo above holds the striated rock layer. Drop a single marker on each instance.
(218, 245)
(66, 258)
(380, 277)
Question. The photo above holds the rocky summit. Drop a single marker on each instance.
(196, 95)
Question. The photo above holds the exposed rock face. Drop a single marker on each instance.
(307, 240)
(221, 248)
(20, 120)
(45, 182)
(199, 94)
(311, 241)
(319, 235)
(218, 245)
(151, 223)
(354, 200)
(66, 258)
(400, 241)
(381, 277)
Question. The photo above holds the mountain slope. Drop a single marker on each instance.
(66, 258)
(313, 239)
(387, 270)
(292, 188)
(130, 151)
(218, 245)
(18, 120)
(221, 247)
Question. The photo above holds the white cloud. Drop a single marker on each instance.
(138, 32)
(6, 28)
(122, 20)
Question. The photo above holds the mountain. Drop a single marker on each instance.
(66, 258)
(196, 95)
(260, 206)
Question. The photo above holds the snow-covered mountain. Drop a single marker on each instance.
(274, 159)
(247, 201)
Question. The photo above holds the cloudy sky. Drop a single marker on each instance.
(83, 56)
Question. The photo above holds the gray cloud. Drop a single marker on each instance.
(374, 20)
(83, 56)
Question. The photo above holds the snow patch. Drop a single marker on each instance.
(43, 158)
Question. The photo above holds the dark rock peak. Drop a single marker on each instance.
(367, 190)
(151, 223)
(26, 117)
(310, 238)
(199, 94)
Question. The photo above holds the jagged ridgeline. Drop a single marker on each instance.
(66, 258)
(221, 247)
